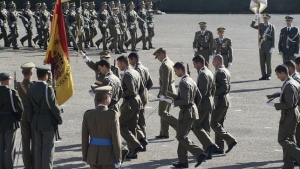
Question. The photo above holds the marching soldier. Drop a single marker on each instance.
(3, 23)
(188, 97)
(86, 23)
(289, 41)
(132, 18)
(44, 116)
(11, 110)
(132, 104)
(52, 10)
(27, 21)
(71, 24)
(115, 30)
(12, 20)
(150, 19)
(28, 140)
(111, 5)
(166, 81)
(123, 23)
(143, 25)
(95, 66)
(80, 29)
(103, 16)
(93, 29)
(101, 148)
(37, 24)
(66, 9)
(203, 42)
(222, 103)
(289, 98)
(223, 46)
(148, 83)
(44, 21)
(267, 45)
(118, 4)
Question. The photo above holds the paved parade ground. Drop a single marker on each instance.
(250, 120)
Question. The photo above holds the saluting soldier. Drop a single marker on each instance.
(288, 98)
(71, 24)
(95, 65)
(44, 115)
(223, 46)
(123, 23)
(143, 25)
(44, 21)
(188, 97)
(102, 18)
(86, 17)
(101, 139)
(27, 22)
(132, 104)
(11, 110)
(115, 31)
(3, 23)
(12, 20)
(288, 44)
(222, 103)
(150, 24)
(37, 24)
(167, 84)
(28, 140)
(266, 47)
(93, 17)
(203, 42)
(148, 83)
(132, 18)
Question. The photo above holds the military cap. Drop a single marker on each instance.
(53, 3)
(2, 2)
(149, 3)
(111, 2)
(103, 90)
(202, 23)
(221, 29)
(123, 5)
(72, 4)
(43, 68)
(66, 4)
(161, 49)
(38, 4)
(118, 2)
(142, 3)
(27, 66)
(289, 18)
(27, 3)
(130, 3)
(115, 9)
(104, 54)
(43, 4)
(103, 3)
(266, 16)
(84, 3)
(4, 76)
(92, 3)
(11, 4)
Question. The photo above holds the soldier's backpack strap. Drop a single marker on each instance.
(23, 87)
(46, 94)
(12, 101)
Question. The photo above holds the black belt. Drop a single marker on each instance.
(203, 48)
(130, 97)
(43, 112)
(2, 113)
(190, 105)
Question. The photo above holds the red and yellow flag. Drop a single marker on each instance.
(58, 56)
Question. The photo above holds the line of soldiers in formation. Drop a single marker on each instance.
(81, 23)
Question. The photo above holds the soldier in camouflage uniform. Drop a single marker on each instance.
(27, 21)
(102, 18)
(3, 23)
(12, 20)
(93, 17)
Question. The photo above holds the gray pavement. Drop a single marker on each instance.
(250, 120)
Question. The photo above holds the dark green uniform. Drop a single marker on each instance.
(71, 25)
(3, 25)
(288, 43)
(86, 25)
(44, 116)
(37, 25)
(132, 18)
(224, 47)
(115, 30)
(93, 28)
(123, 23)
(44, 21)
(80, 23)
(150, 19)
(27, 22)
(11, 110)
(12, 23)
(203, 44)
(143, 27)
(102, 25)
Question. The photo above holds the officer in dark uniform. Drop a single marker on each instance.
(142, 25)
(102, 18)
(3, 23)
(86, 23)
(66, 9)
(11, 110)
(71, 24)
(223, 46)
(37, 23)
(12, 23)
(45, 25)
(93, 17)
(27, 21)
(150, 19)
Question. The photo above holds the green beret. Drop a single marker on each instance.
(4, 76)
(130, 3)
(27, 3)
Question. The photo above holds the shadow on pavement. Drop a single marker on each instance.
(166, 163)
(74, 147)
(68, 163)
(250, 165)
(244, 81)
(253, 90)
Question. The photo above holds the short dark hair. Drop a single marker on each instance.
(134, 55)
(123, 59)
(100, 97)
(104, 63)
(297, 60)
(290, 64)
(26, 72)
(179, 65)
(199, 59)
(282, 69)
(41, 73)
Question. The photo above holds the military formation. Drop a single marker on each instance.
(115, 22)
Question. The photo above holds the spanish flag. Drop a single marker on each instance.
(58, 56)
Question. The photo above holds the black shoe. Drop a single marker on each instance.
(30, 46)
(86, 47)
(16, 48)
(151, 47)
(118, 52)
(268, 78)
(126, 45)
(83, 51)
(123, 51)
(296, 163)
(34, 41)
(146, 49)
(40, 45)
(231, 146)
(22, 43)
(161, 137)
(124, 154)
(209, 157)
(200, 159)
(218, 152)
(7, 45)
(134, 50)
(105, 49)
(211, 149)
(133, 157)
(181, 165)
(97, 44)
(144, 143)
(135, 151)
(75, 49)
(262, 78)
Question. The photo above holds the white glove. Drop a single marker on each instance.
(86, 26)
(92, 93)
(158, 11)
(12, 25)
(195, 49)
(86, 19)
(45, 27)
(271, 104)
(26, 20)
(161, 97)
(257, 16)
(123, 24)
(118, 165)
(132, 27)
(145, 25)
(39, 26)
(26, 25)
(49, 65)
(71, 27)
(150, 25)
(103, 25)
(168, 100)
(117, 26)
(229, 63)
(280, 53)
(211, 56)
(38, 18)
(295, 55)
(272, 50)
